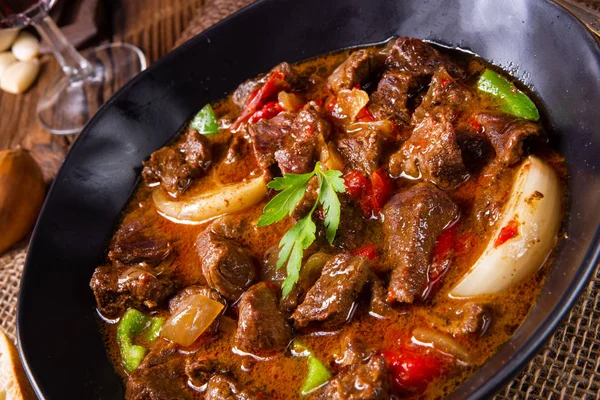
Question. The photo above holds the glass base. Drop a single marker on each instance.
(67, 105)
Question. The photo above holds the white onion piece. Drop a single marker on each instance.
(535, 204)
(441, 342)
(205, 206)
(349, 103)
(191, 319)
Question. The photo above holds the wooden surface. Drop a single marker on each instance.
(152, 25)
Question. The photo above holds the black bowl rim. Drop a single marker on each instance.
(508, 371)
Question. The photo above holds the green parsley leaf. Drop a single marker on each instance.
(284, 203)
(302, 234)
(292, 245)
(330, 183)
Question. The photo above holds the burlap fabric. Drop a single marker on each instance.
(568, 367)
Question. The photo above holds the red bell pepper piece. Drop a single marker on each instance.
(268, 111)
(365, 115)
(368, 250)
(274, 84)
(382, 186)
(411, 369)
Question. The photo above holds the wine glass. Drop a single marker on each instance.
(88, 79)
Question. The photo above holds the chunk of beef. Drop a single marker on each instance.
(119, 288)
(351, 231)
(310, 272)
(134, 244)
(352, 351)
(175, 167)
(300, 149)
(227, 267)
(222, 387)
(355, 70)
(362, 149)
(413, 220)
(365, 381)
(198, 369)
(160, 376)
(292, 140)
(432, 153)
(268, 269)
(444, 91)
(205, 291)
(331, 299)
(507, 134)
(470, 317)
(267, 136)
(378, 306)
(261, 325)
(390, 99)
(419, 58)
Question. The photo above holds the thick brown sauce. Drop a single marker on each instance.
(282, 375)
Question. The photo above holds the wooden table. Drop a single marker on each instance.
(152, 25)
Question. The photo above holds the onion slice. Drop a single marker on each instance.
(533, 212)
(191, 319)
(441, 342)
(208, 205)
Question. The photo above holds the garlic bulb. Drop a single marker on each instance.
(19, 76)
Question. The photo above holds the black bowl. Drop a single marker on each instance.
(537, 41)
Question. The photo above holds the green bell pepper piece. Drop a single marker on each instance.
(205, 121)
(318, 373)
(512, 100)
(131, 325)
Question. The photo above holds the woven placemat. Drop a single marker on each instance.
(568, 367)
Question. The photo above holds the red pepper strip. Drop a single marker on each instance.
(511, 230)
(274, 84)
(356, 184)
(412, 370)
(268, 111)
(382, 186)
(368, 250)
(442, 256)
(365, 115)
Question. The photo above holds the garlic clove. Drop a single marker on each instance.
(19, 76)
(7, 38)
(26, 46)
(6, 59)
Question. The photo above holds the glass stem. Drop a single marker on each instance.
(73, 65)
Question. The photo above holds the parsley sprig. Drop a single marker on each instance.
(302, 234)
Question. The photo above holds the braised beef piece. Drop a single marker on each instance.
(292, 140)
(223, 387)
(432, 153)
(309, 274)
(227, 267)
(470, 317)
(175, 167)
(413, 220)
(177, 300)
(299, 150)
(118, 288)
(390, 99)
(261, 325)
(362, 150)
(507, 134)
(134, 244)
(355, 70)
(352, 351)
(378, 306)
(445, 91)
(198, 369)
(160, 376)
(409, 66)
(365, 381)
(419, 58)
(332, 297)
(268, 271)
(351, 231)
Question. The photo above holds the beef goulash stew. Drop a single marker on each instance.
(371, 224)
